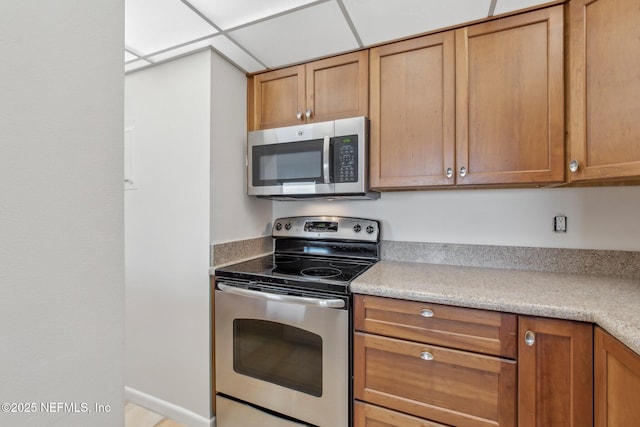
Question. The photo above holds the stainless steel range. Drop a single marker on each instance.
(283, 325)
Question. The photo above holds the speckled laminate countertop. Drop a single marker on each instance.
(612, 303)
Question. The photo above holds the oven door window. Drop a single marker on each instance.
(276, 164)
(277, 353)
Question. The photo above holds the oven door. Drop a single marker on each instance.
(286, 354)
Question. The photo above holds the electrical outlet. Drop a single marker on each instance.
(560, 224)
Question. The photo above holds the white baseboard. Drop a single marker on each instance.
(167, 409)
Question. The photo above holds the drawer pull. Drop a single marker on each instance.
(425, 355)
(425, 312)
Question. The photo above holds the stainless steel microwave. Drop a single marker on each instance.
(317, 160)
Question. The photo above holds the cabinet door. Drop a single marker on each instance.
(510, 100)
(448, 386)
(338, 87)
(604, 88)
(412, 112)
(617, 383)
(276, 97)
(555, 373)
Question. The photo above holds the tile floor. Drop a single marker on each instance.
(137, 416)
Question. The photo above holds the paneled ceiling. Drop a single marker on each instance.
(257, 35)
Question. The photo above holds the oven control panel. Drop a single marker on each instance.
(327, 227)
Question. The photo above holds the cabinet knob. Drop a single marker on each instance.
(574, 165)
(425, 312)
(308, 113)
(463, 172)
(425, 355)
(299, 115)
(449, 172)
(529, 338)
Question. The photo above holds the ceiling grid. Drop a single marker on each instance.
(256, 35)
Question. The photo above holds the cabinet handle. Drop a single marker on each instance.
(425, 312)
(449, 172)
(463, 172)
(425, 355)
(299, 115)
(529, 338)
(308, 113)
(574, 165)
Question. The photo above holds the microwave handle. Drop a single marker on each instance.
(325, 159)
(314, 302)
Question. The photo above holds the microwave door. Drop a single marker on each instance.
(291, 168)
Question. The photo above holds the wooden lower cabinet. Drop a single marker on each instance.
(617, 383)
(436, 383)
(366, 415)
(555, 373)
(420, 364)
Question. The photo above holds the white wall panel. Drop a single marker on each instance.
(167, 235)
(61, 211)
(598, 218)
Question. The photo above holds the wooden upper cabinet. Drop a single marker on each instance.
(276, 97)
(412, 95)
(510, 100)
(617, 382)
(604, 89)
(338, 87)
(555, 373)
(328, 89)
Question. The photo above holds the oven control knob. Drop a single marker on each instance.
(287, 226)
(278, 226)
(370, 229)
(357, 228)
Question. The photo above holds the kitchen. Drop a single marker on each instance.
(598, 218)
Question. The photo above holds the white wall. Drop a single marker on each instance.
(598, 218)
(167, 239)
(234, 215)
(61, 220)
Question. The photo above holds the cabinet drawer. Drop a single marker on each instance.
(482, 331)
(448, 386)
(365, 415)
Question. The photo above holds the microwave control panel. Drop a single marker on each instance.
(345, 158)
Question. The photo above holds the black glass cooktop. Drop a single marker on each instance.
(281, 268)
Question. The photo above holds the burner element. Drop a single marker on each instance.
(320, 272)
(285, 259)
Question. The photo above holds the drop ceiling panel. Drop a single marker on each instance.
(303, 35)
(229, 14)
(504, 6)
(236, 55)
(129, 56)
(379, 21)
(154, 25)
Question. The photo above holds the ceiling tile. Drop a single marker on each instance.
(229, 14)
(379, 21)
(504, 6)
(129, 56)
(153, 25)
(307, 34)
(229, 49)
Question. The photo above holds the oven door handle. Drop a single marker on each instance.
(314, 302)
